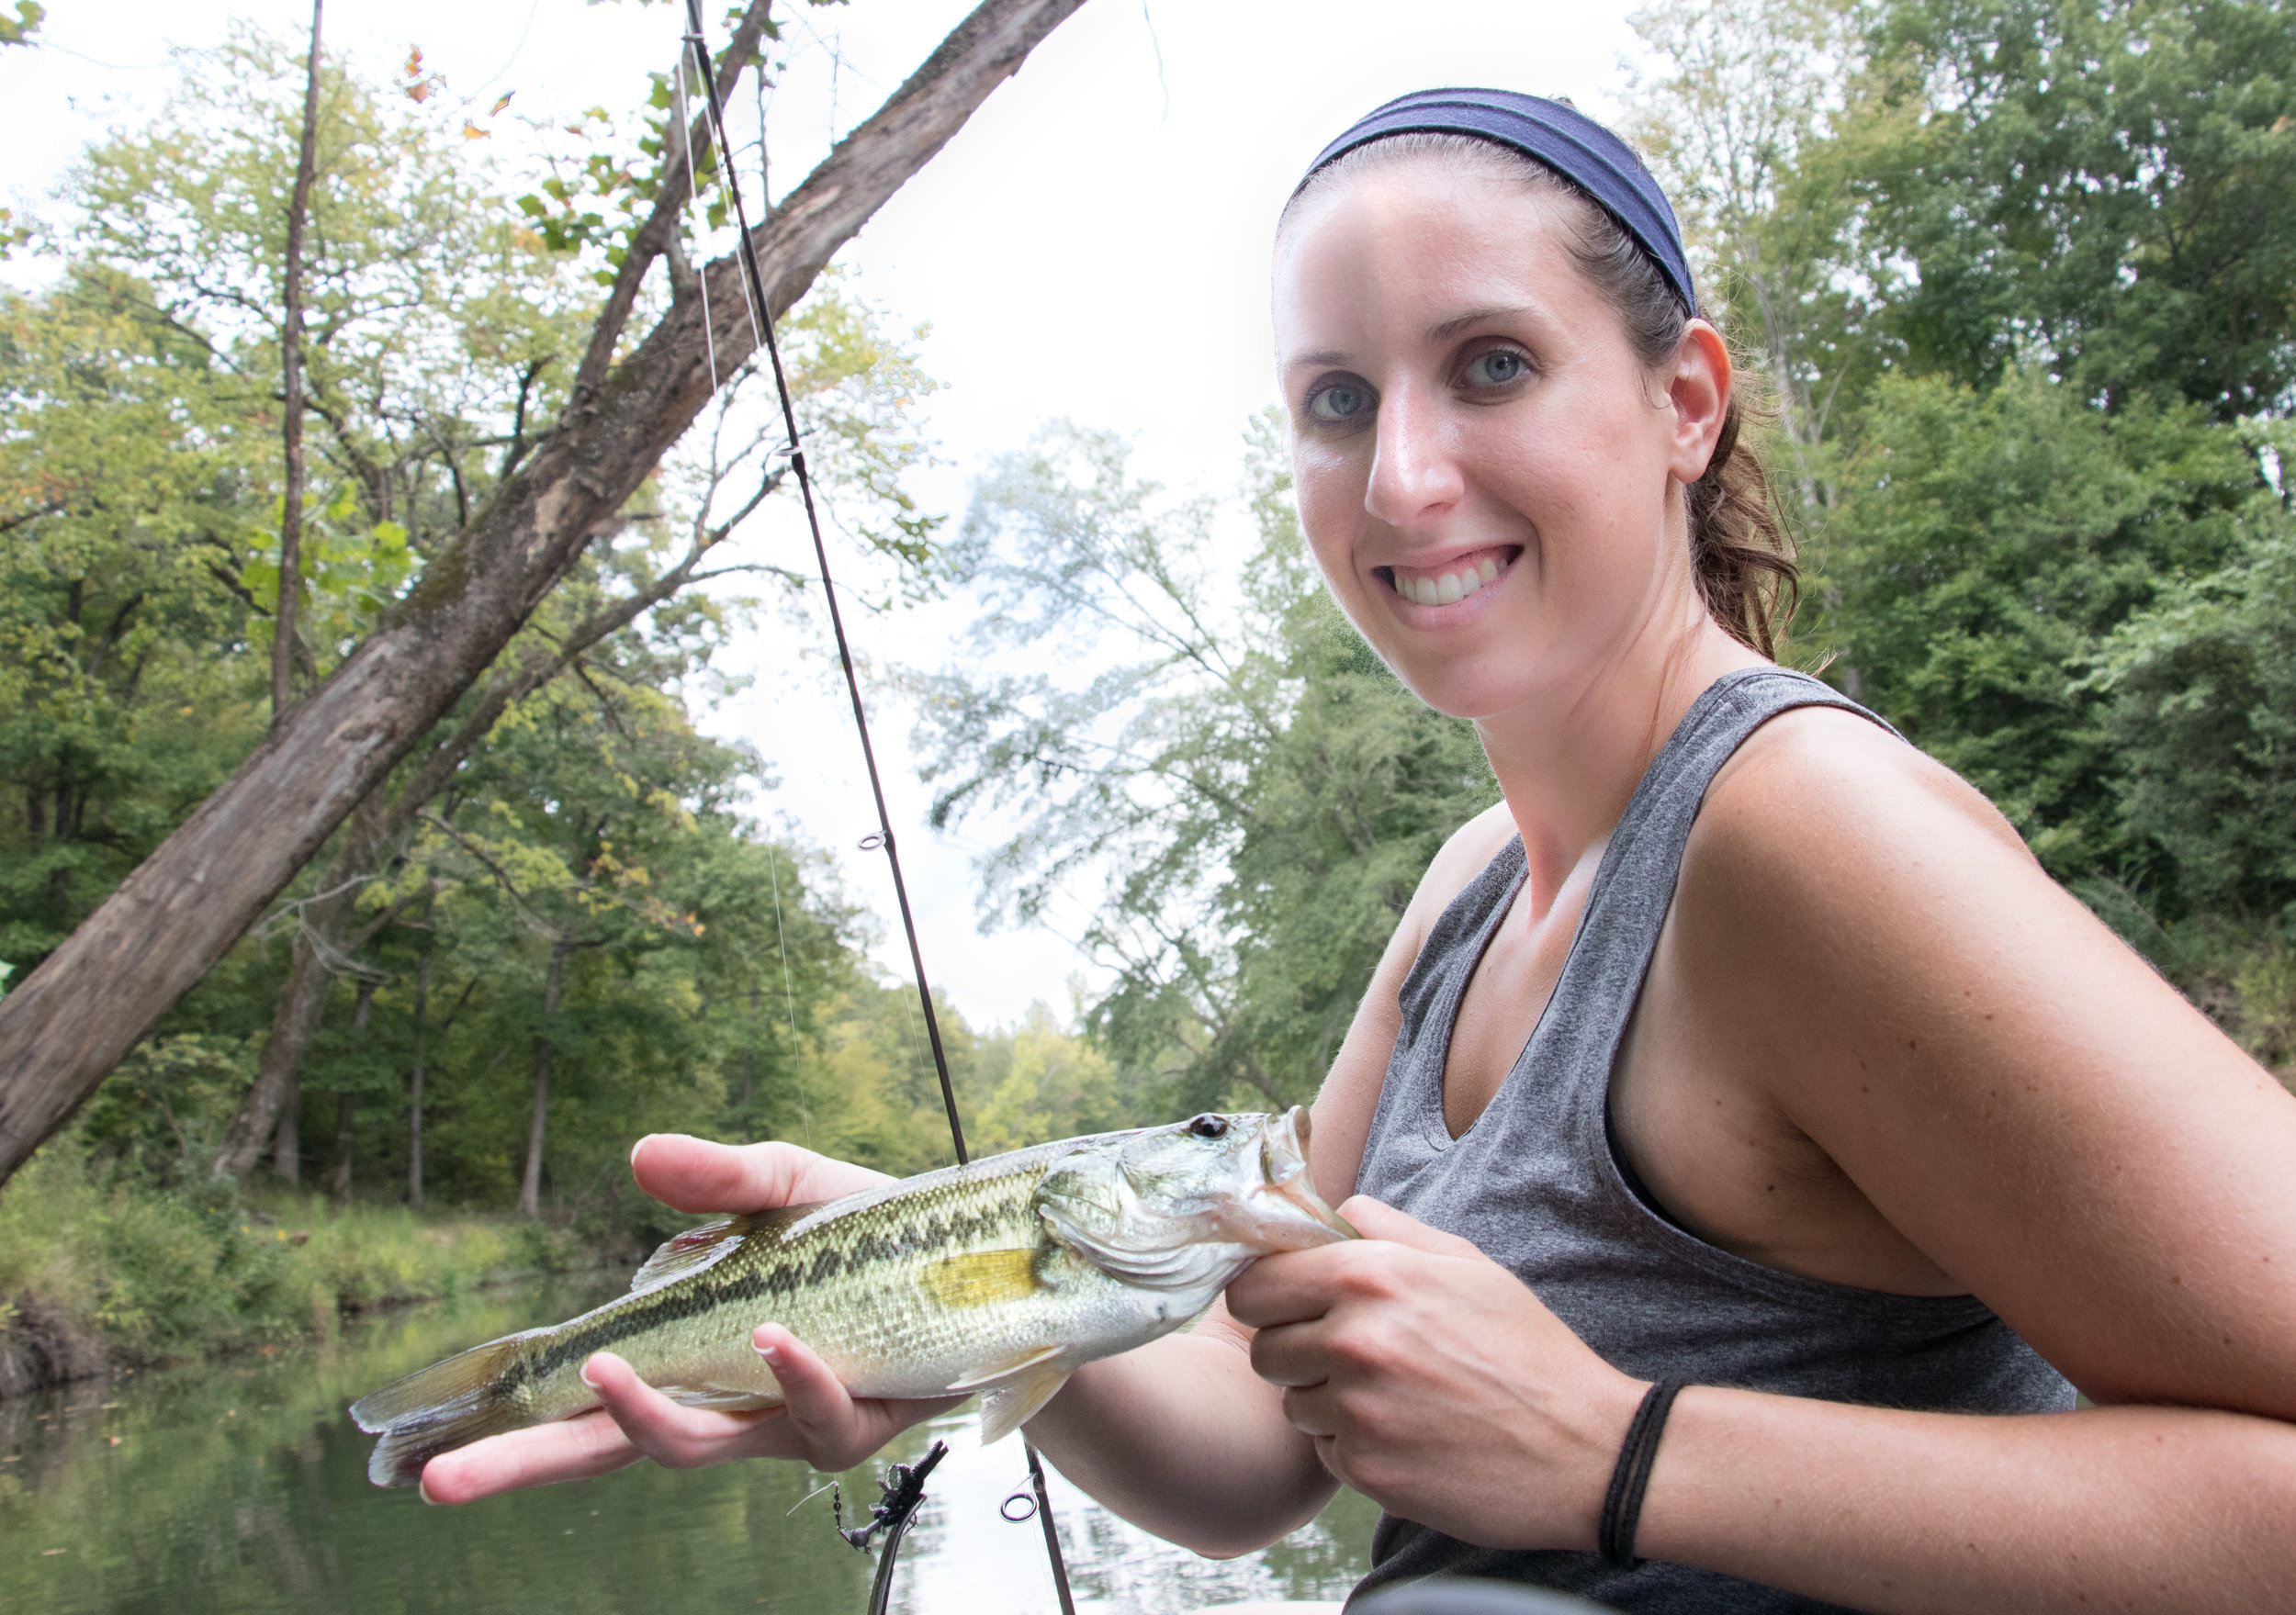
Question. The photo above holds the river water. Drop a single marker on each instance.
(241, 1488)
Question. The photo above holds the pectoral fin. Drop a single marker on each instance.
(983, 1278)
(1004, 1372)
(1012, 1392)
(1005, 1408)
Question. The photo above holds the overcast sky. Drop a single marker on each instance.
(1093, 245)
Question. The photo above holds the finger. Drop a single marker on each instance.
(694, 1174)
(1292, 1286)
(833, 1428)
(1376, 1219)
(1312, 1410)
(670, 1435)
(815, 1400)
(573, 1449)
(1292, 1355)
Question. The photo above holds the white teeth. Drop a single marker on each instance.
(1448, 586)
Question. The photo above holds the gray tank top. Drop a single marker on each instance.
(1537, 1184)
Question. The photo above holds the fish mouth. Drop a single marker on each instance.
(1284, 1163)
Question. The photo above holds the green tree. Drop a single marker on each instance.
(1981, 546)
(2112, 187)
(626, 404)
(124, 692)
(1036, 1081)
(2202, 720)
(1735, 110)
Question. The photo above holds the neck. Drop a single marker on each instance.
(1569, 764)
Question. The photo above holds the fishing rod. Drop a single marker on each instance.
(903, 1488)
(761, 326)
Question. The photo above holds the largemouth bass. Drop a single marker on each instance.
(1004, 1277)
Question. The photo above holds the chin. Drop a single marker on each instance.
(1473, 689)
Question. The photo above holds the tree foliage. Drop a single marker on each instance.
(1238, 793)
(570, 810)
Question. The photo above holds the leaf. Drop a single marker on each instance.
(18, 30)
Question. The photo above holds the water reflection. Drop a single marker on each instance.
(242, 1487)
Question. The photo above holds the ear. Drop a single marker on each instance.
(1700, 393)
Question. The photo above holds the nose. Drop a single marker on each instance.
(1413, 474)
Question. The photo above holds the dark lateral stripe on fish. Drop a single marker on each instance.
(717, 1287)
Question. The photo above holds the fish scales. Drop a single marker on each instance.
(827, 1283)
(1003, 1276)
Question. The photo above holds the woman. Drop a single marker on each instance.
(1834, 1111)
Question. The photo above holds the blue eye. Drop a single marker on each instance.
(1341, 400)
(1498, 368)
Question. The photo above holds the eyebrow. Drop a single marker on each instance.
(1340, 357)
(1458, 322)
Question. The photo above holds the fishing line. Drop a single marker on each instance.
(697, 42)
(693, 196)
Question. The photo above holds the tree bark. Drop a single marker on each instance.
(92, 999)
(292, 427)
(275, 1097)
(287, 1139)
(530, 1188)
(346, 1102)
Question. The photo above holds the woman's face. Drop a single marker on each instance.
(1485, 469)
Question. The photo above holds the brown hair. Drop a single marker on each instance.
(1739, 550)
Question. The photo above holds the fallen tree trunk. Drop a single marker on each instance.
(183, 907)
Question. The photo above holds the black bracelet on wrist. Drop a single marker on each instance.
(1622, 1506)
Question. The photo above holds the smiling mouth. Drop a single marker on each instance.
(1453, 582)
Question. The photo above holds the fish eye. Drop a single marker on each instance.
(1210, 1126)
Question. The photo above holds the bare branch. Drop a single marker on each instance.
(660, 230)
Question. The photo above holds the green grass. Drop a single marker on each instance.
(155, 1275)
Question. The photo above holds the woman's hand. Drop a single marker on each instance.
(1435, 1382)
(818, 1422)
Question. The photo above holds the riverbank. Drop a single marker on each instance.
(99, 1275)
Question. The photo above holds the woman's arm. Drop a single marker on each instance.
(1862, 944)
(2159, 1509)
(2046, 1119)
(1182, 1438)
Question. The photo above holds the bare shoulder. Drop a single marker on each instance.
(1350, 1095)
(1463, 857)
(1814, 774)
(2017, 1092)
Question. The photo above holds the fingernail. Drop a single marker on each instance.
(586, 1379)
(772, 1354)
(636, 1147)
(424, 1488)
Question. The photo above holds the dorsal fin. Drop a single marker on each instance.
(709, 1244)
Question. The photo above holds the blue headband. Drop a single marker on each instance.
(1566, 140)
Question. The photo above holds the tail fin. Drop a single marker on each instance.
(448, 1405)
